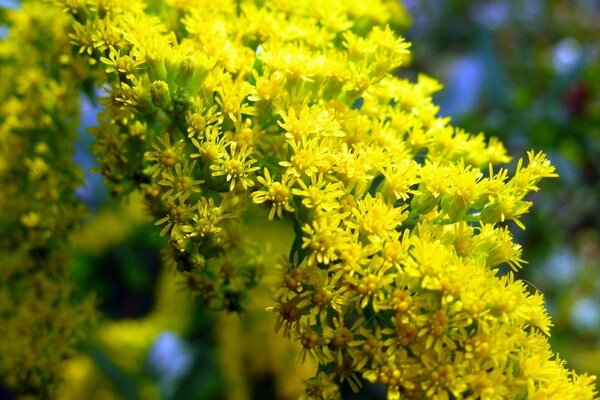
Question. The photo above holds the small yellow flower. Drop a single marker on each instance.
(276, 193)
(179, 214)
(211, 147)
(298, 127)
(320, 194)
(375, 219)
(237, 166)
(164, 156)
(182, 183)
(116, 63)
(199, 121)
(308, 157)
(323, 238)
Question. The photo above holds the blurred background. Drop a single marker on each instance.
(525, 71)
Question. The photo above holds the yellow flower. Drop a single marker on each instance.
(182, 183)
(375, 219)
(165, 156)
(298, 127)
(309, 156)
(320, 195)
(199, 121)
(323, 238)
(206, 219)
(211, 147)
(115, 63)
(237, 166)
(400, 178)
(369, 284)
(276, 193)
(231, 96)
(179, 214)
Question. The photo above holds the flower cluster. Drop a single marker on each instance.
(196, 110)
(219, 109)
(41, 316)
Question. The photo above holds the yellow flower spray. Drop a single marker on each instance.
(219, 111)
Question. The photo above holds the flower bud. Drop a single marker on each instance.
(181, 103)
(455, 207)
(424, 203)
(159, 92)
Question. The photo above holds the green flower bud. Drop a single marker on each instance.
(424, 203)
(455, 207)
(159, 92)
(181, 102)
